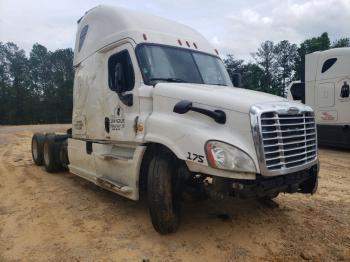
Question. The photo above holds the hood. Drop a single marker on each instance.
(225, 97)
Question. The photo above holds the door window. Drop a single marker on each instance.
(121, 76)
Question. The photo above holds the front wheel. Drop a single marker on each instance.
(164, 197)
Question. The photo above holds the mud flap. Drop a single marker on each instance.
(310, 185)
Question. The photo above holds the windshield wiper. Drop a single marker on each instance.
(170, 79)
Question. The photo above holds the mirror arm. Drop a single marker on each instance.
(184, 106)
(219, 116)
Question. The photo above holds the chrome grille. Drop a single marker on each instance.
(289, 140)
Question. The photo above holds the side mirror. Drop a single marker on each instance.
(236, 79)
(183, 107)
(127, 99)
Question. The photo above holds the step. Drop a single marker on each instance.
(112, 185)
(112, 157)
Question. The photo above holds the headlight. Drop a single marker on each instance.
(225, 156)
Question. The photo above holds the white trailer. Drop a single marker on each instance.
(325, 88)
(155, 112)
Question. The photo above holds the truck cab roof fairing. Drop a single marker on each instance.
(107, 25)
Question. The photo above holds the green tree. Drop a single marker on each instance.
(341, 42)
(17, 96)
(251, 77)
(311, 45)
(4, 84)
(265, 58)
(233, 65)
(251, 73)
(41, 83)
(38, 89)
(63, 77)
(314, 44)
(285, 55)
(52, 83)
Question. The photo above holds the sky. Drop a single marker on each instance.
(232, 26)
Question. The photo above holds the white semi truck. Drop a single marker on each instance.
(155, 114)
(325, 88)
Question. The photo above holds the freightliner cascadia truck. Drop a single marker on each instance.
(156, 115)
(325, 86)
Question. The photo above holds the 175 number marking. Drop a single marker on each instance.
(195, 157)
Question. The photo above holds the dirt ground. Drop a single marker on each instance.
(61, 217)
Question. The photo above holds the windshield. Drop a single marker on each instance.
(163, 63)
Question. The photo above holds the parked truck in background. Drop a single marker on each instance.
(325, 88)
(155, 113)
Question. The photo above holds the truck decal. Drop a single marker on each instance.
(344, 87)
(117, 119)
(328, 116)
(344, 90)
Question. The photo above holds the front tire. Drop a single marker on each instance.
(164, 196)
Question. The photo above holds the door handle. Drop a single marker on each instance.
(107, 124)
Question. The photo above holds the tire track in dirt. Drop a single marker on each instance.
(23, 182)
(5, 206)
(62, 217)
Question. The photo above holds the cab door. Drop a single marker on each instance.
(122, 101)
(325, 102)
(116, 157)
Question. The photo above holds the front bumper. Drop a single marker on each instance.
(305, 181)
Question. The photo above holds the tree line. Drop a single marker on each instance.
(39, 88)
(275, 65)
(35, 89)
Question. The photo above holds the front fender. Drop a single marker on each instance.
(187, 134)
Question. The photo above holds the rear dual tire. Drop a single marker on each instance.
(37, 148)
(51, 154)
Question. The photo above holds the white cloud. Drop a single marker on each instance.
(290, 20)
(236, 27)
(215, 41)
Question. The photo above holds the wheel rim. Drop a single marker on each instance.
(35, 149)
(46, 153)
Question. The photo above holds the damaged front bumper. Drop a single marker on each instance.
(305, 181)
